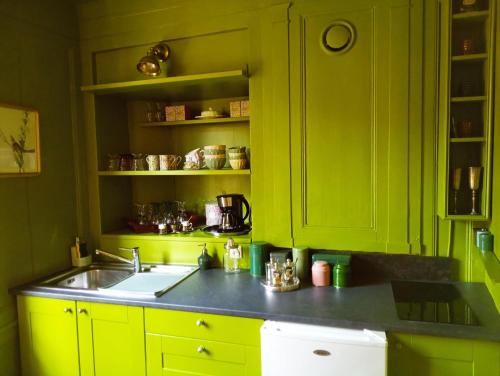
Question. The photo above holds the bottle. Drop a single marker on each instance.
(321, 273)
(232, 257)
(204, 260)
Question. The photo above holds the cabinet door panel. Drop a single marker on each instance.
(48, 337)
(350, 125)
(111, 339)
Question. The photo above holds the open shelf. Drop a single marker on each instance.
(206, 85)
(471, 57)
(478, 98)
(481, 14)
(467, 139)
(225, 171)
(197, 235)
(243, 119)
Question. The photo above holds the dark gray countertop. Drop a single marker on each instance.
(369, 306)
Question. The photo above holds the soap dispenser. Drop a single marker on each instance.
(204, 260)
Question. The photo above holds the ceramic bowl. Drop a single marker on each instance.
(214, 147)
(238, 164)
(214, 152)
(215, 156)
(215, 163)
(237, 156)
(237, 149)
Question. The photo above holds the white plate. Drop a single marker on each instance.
(209, 117)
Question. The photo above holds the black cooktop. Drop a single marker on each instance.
(432, 302)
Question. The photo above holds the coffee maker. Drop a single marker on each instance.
(231, 207)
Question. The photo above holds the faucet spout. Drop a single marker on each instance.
(136, 261)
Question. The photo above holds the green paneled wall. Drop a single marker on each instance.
(37, 214)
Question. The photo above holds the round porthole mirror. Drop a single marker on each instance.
(338, 37)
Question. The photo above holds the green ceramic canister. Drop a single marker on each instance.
(486, 241)
(341, 275)
(258, 257)
(301, 258)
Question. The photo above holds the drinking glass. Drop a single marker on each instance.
(456, 176)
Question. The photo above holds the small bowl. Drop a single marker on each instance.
(237, 156)
(214, 147)
(237, 149)
(238, 164)
(215, 164)
(216, 156)
(214, 152)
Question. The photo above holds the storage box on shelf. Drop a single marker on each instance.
(465, 119)
(122, 122)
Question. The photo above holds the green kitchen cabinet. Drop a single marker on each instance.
(354, 89)
(466, 92)
(179, 343)
(419, 355)
(64, 337)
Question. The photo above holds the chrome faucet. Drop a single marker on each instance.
(136, 260)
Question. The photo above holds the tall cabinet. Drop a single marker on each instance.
(351, 89)
(467, 58)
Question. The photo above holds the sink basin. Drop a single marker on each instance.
(118, 280)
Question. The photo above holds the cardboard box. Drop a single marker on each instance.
(181, 112)
(245, 108)
(235, 109)
(170, 113)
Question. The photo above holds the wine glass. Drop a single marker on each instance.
(474, 179)
(456, 178)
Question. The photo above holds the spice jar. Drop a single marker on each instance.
(341, 275)
(321, 273)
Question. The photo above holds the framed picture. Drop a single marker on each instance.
(19, 141)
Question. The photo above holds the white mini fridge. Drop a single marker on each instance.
(298, 350)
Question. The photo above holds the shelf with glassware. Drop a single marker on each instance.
(133, 137)
(465, 109)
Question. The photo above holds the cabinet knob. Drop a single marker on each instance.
(200, 349)
(67, 310)
(83, 311)
(200, 323)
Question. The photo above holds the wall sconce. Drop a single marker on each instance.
(150, 64)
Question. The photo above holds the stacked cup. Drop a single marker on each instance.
(215, 156)
(237, 157)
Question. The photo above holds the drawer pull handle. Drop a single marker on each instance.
(200, 349)
(67, 310)
(200, 323)
(82, 311)
(321, 352)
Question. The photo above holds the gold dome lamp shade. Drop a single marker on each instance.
(150, 64)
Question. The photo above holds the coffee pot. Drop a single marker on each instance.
(231, 206)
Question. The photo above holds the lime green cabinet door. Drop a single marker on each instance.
(414, 355)
(111, 340)
(48, 337)
(349, 90)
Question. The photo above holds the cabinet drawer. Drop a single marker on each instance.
(203, 349)
(204, 326)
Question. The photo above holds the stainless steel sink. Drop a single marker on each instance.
(119, 280)
(89, 278)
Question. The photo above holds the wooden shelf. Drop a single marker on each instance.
(196, 86)
(466, 217)
(480, 98)
(471, 57)
(203, 172)
(243, 119)
(197, 235)
(467, 139)
(481, 14)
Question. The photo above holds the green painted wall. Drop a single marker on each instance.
(37, 214)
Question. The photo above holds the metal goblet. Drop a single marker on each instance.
(474, 180)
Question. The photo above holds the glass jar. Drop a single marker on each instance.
(232, 257)
(113, 162)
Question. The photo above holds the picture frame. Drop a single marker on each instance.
(19, 141)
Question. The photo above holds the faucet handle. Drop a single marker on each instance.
(133, 249)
